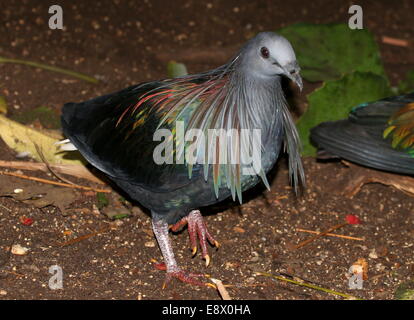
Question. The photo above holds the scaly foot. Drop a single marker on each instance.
(160, 228)
(197, 228)
(187, 277)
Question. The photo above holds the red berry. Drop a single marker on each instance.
(352, 219)
(27, 221)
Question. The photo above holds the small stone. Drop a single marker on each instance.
(3, 292)
(373, 254)
(17, 249)
(255, 257)
(250, 280)
(150, 244)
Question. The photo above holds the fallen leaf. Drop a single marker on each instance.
(360, 266)
(239, 230)
(36, 194)
(3, 105)
(21, 138)
(115, 212)
(102, 200)
(405, 291)
(176, 69)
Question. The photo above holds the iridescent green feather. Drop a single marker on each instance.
(401, 129)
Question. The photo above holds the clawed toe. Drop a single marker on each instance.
(187, 277)
(197, 229)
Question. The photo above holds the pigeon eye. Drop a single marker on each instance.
(264, 52)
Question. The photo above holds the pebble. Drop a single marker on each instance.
(3, 292)
(17, 249)
(150, 244)
(373, 254)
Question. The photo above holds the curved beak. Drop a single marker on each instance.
(296, 78)
(292, 70)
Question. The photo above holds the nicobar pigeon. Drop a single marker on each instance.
(117, 133)
(379, 135)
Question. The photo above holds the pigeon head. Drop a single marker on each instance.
(268, 55)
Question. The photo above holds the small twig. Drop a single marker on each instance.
(9, 210)
(221, 289)
(331, 234)
(395, 41)
(41, 155)
(324, 233)
(308, 285)
(50, 68)
(87, 236)
(75, 170)
(22, 176)
(15, 273)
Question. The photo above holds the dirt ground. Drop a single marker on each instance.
(127, 42)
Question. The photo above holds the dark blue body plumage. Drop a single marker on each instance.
(115, 133)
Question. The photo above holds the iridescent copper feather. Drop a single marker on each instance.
(378, 134)
(401, 129)
(218, 102)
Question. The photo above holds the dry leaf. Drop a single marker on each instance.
(3, 105)
(75, 170)
(360, 266)
(38, 195)
(239, 230)
(23, 139)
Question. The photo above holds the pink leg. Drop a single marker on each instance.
(160, 228)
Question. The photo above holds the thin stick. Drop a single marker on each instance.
(324, 233)
(395, 41)
(221, 289)
(331, 234)
(41, 155)
(15, 273)
(61, 184)
(308, 285)
(50, 68)
(75, 170)
(5, 208)
(87, 236)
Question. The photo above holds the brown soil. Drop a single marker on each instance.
(125, 43)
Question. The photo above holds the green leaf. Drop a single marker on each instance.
(328, 51)
(176, 69)
(335, 99)
(102, 200)
(121, 216)
(405, 291)
(407, 85)
(3, 105)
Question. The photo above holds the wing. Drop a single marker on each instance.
(115, 134)
(376, 135)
